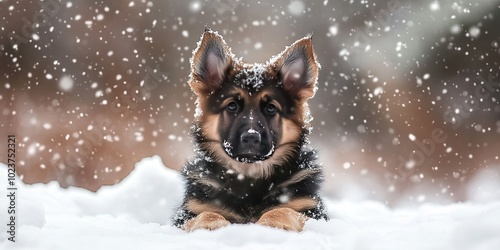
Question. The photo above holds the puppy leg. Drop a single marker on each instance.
(283, 218)
(206, 220)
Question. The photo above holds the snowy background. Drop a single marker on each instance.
(407, 115)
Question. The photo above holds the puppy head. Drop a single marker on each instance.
(252, 117)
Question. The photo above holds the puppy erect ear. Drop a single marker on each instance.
(298, 68)
(209, 64)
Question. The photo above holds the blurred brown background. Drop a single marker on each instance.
(407, 110)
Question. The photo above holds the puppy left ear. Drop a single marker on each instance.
(298, 69)
(209, 64)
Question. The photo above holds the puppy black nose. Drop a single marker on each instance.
(250, 138)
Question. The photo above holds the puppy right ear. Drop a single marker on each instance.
(210, 63)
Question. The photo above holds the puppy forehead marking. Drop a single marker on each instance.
(231, 92)
(241, 94)
(252, 76)
(268, 95)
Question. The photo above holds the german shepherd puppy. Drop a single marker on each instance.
(252, 164)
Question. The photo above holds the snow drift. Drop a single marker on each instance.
(136, 214)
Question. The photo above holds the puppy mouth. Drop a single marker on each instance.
(250, 155)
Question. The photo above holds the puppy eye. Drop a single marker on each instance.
(271, 109)
(232, 107)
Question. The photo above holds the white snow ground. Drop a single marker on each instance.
(135, 213)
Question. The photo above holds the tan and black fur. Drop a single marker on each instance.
(252, 162)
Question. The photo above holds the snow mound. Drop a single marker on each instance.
(136, 214)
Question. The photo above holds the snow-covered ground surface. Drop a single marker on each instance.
(135, 213)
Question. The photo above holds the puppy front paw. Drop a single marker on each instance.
(283, 218)
(206, 220)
